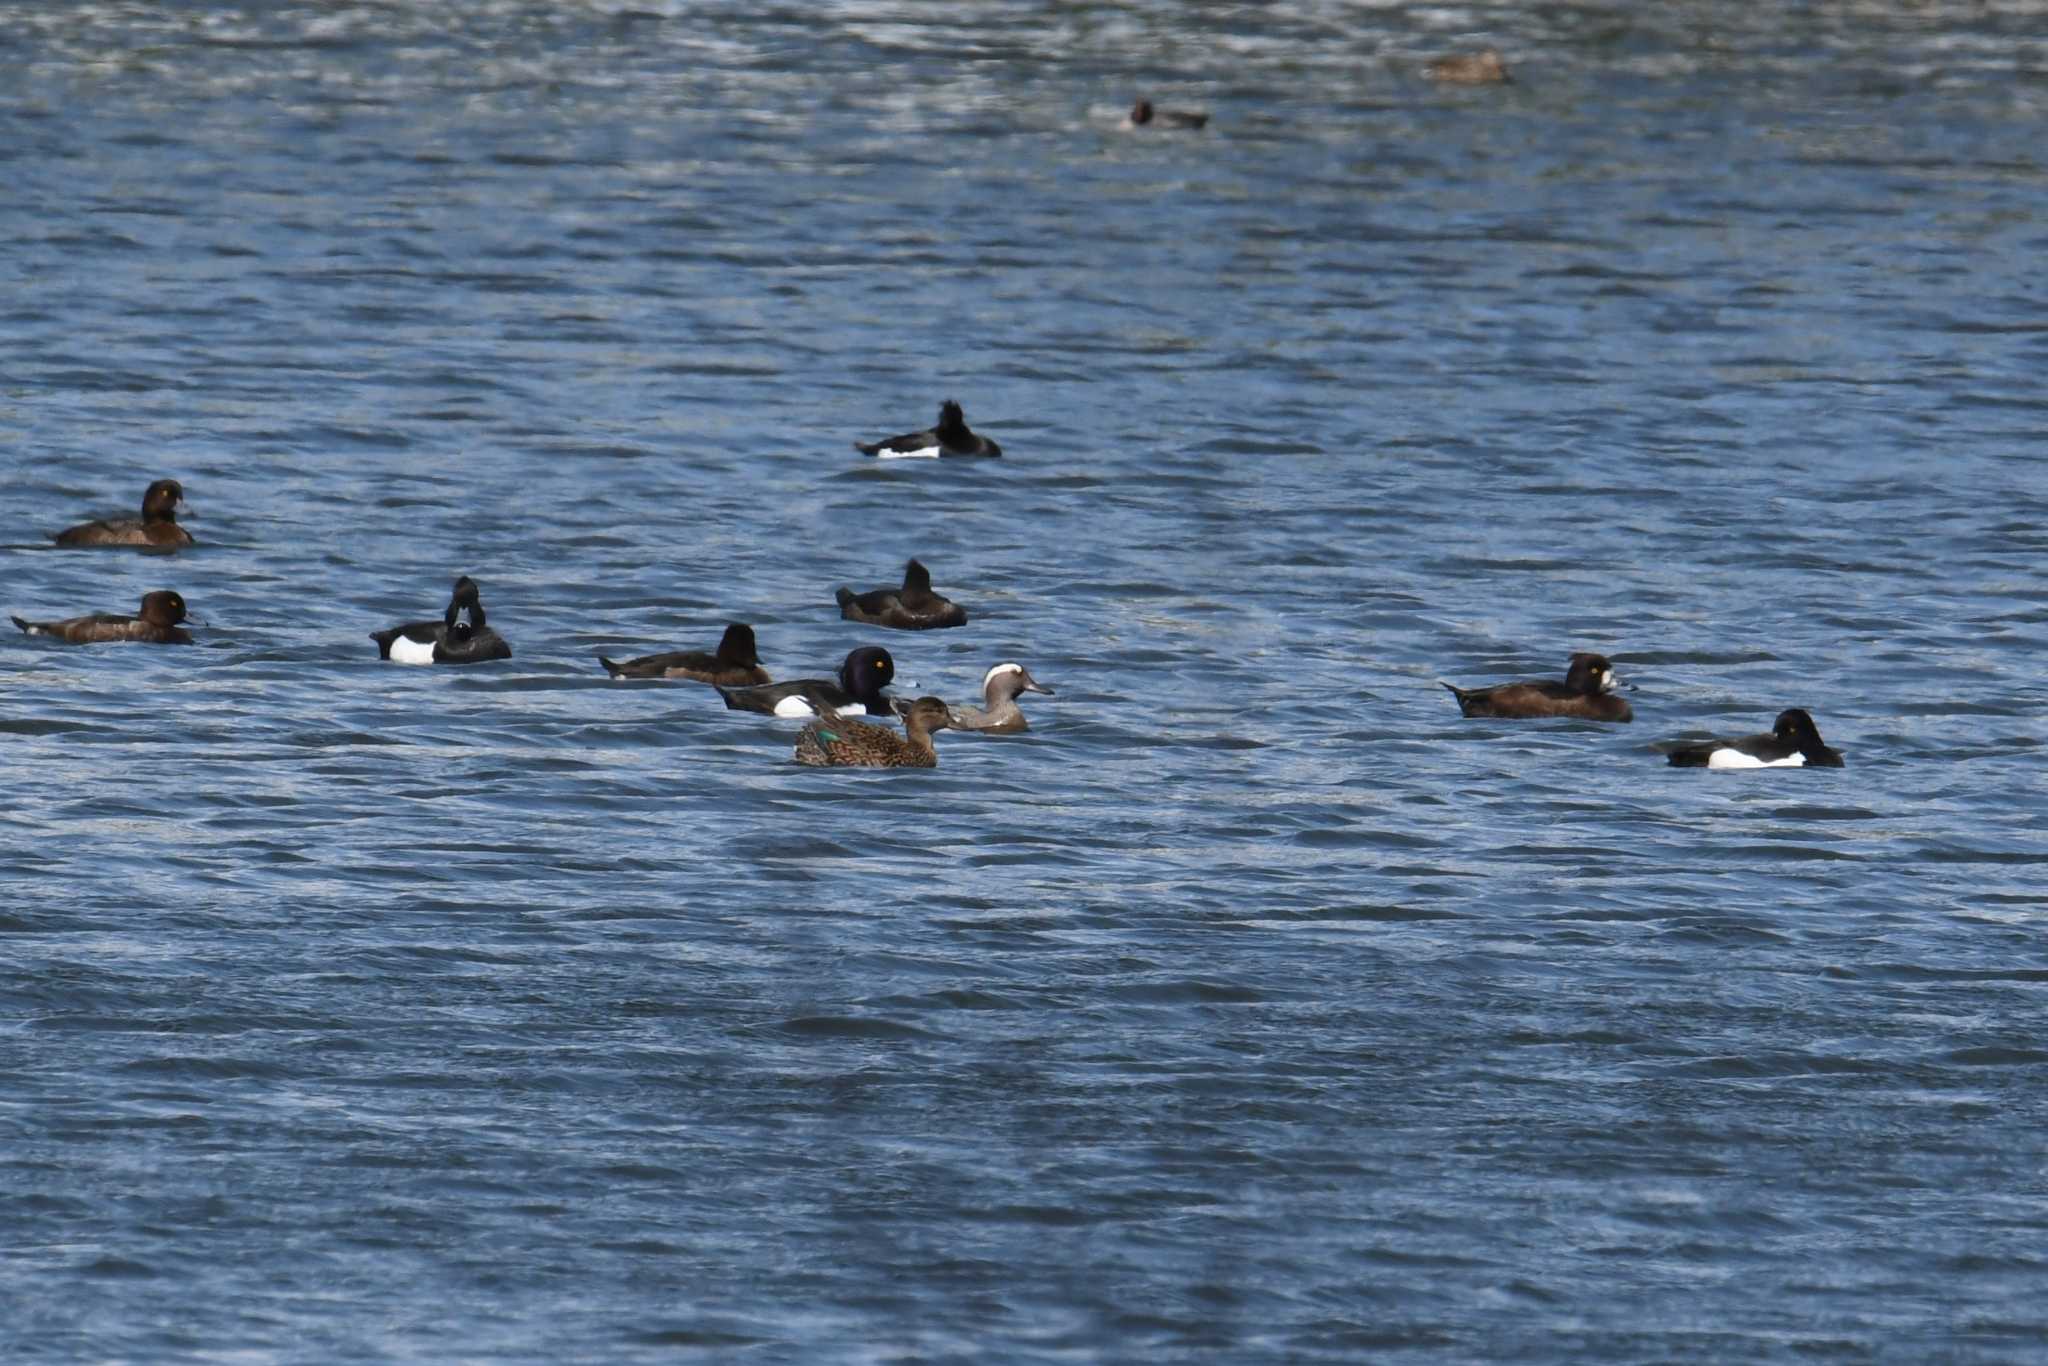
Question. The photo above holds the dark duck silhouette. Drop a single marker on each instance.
(1145, 115)
(913, 607)
(734, 664)
(950, 437)
(1587, 693)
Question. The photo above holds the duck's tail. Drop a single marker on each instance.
(615, 670)
(28, 627)
(1464, 696)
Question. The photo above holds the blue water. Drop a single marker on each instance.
(1253, 1006)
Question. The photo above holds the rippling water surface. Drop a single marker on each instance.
(1253, 1006)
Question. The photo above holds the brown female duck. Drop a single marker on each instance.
(157, 624)
(157, 527)
(837, 743)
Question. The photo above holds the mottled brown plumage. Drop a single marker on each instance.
(157, 624)
(735, 665)
(835, 743)
(157, 527)
(1470, 68)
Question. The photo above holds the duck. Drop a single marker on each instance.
(446, 641)
(1470, 68)
(857, 691)
(157, 624)
(1587, 693)
(158, 525)
(735, 664)
(1794, 742)
(913, 607)
(950, 437)
(999, 689)
(837, 743)
(1144, 115)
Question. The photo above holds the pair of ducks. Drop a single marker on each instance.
(162, 611)
(834, 738)
(1588, 694)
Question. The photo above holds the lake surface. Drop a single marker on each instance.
(1253, 1006)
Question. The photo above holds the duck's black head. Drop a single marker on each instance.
(1795, 727)
(1590, 673)
(163, 608)
(160, 501)
(736, 647)
(866, 672)
(466, 597)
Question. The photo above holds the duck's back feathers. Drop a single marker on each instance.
(1794, 742)
(858, 690)
(1470, 68)
(1586, 693)
(450, 640)
(951, 436)
(1144, 114)
(913, 607)
(831, 743)
(1000, 714)
(733, 665)
(157, 624)
(157, 528)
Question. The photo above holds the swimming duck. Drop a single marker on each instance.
(1794, 742)
(950, 437)
(157, 624)
(158, 525)
(857, 692)
(735, 664)
(445, 641)
(1470, 68)
(1143, 115)
(1587, 693)
(855, 744)
(999, 688)
(913, 607)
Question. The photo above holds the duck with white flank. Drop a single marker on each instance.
(950, 437)
(1794, 742)
(446, 641)
(857, 691)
